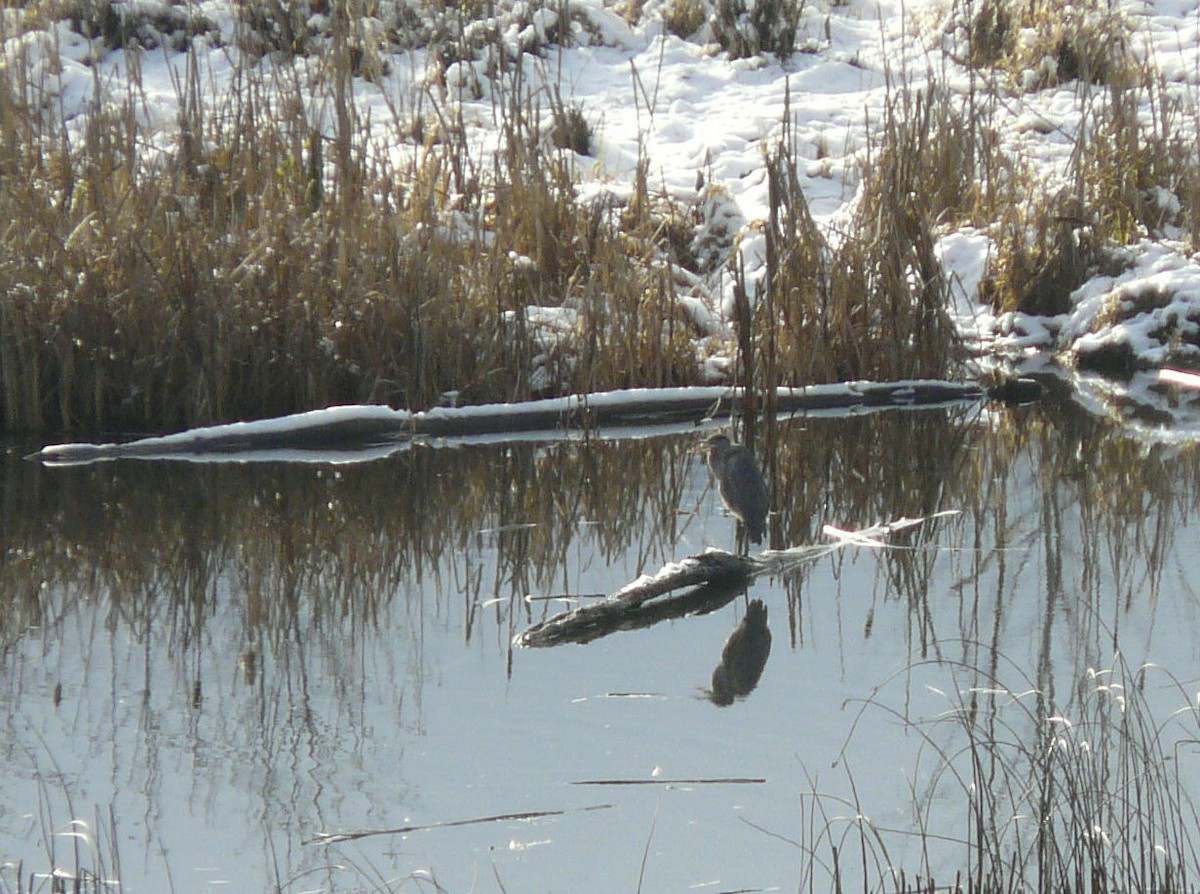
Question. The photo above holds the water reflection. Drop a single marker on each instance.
(311, 550)
(297, 633)
(743, 658)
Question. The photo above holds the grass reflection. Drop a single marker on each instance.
(306, 549)
(309, 548)
(325, 591)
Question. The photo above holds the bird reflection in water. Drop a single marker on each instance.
(743, 658)
(742, 487)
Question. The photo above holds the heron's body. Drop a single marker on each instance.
(740, 483)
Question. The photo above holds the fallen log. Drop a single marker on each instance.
(370, 428)
(712, 579)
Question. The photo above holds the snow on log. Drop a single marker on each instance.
(1182, 378)
(336, 428)
(366, 428)
(714, 578)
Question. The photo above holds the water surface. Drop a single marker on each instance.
(214, 665)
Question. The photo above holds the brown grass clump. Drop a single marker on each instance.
(874, 304)
(1044, 252)
(258, 266)
(1138, 173)
(125, 25)
(1129, 177)
(683, 18)
(1041, 43)
(766, 26)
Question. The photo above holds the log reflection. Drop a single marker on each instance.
(310, 555)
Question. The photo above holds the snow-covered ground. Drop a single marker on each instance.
(704, 122)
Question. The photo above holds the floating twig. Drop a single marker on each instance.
(717, 780)
(356, 835)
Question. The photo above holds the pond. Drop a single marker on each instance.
(301, 677)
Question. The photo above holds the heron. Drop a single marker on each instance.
(741, 484)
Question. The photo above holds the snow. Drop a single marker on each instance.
(691, 110)
(367, 432)
(1160, 276)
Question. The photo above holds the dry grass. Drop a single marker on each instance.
(683, 18)
(874, 304)
(1038, 44)
(1044, 251)
(153, 287)
(1130, 176)
(152, 290)
(1136, 174)
(1130, 180)
(1082, 794)
(766, 26)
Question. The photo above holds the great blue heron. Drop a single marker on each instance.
(742, 487)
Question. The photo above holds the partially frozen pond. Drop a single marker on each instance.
(215, 666)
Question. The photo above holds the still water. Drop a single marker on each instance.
(212, 667)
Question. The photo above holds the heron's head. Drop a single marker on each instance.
(717, 444)
(715, 449)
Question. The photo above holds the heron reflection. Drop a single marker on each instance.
(742, 487)
(743, 658)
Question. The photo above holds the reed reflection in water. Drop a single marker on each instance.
(288, 630)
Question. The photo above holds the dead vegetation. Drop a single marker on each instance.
(263, 262)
